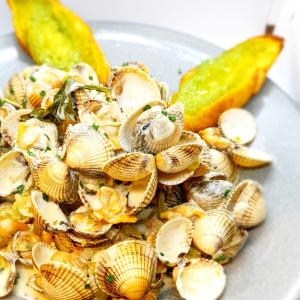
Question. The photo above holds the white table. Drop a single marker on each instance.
(222, 22)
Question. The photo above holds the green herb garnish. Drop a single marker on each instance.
(172, 118)
(62, 223)
(81, 184)
(87, 286)
(45, 197)
(95, 127)
(58, 156)
(11, 90)
(91, 77)
(20, 189)
(110, 278)
(162, 254)
(146, 107)
(42, 93)
(1, 269)
(220, 258)
(105, 134)
(30, 153)
(121, 109)
(226, 193)
(24, 102)
(47, 136)
(2, 102)
(125, 64)
(164, 112)
(32, 78)
(47, 148)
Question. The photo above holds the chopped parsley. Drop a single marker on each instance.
(81, 184)
(164, 112)
(2, 102)
(110, 278)
(47, 148)
(146, 107)
(91, 77)
(45, 197)
(87, 286)
(62, 223)
(24, 102)
(20, 189)
(42, 93)
(220, 258)
(11, 90)
(32, 78)
(162, 254)
(122, 109)
(226, 193)
(105, 134)
(125, 64)
(58, 156)
(172, 118)
(30, 153)
(1, 269)
(95, 127)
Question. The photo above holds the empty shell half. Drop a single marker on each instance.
(7, 274)
(238, 125)
(213, 137)
(200, 278)
(173, 240)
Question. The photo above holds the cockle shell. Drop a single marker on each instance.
(133, 87)
(213, 137)
(169, 249)
(10, 125)
(53, 178)
(141, 192)
(126, 269)
(214, 230)
(14, 172)
(87, 150)
(238, 125)
(84, 73)
(249, 158)
(5, 109)
(61, 279)
(8, 273)
(21, 246)
(37, 134)
(15, 90)
(130, 166)
(208, 194)
(188, 210)
(177, 158)
(200, 279)
(248, 204)
(205, 161)
(225, 254)
(222, 164)
(48, 215)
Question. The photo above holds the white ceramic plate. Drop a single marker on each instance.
(268, 268)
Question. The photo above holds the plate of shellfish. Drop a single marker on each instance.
(139, 172)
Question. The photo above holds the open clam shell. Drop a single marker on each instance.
(85, 224)
(249, 158)
(177, 158)
(238, 125)
(48, 215)
(126, 269)
(21, 246)
(248, 204)
(86, 149)
(209, 194)
(84, 73)
(7, 274)
(130, 166)
(53, 178)
(14, 173)
(214, 231)
(63, 278)
(213, 137)
(141, 192)
(10, 125)
(205, 161)
(15, 90)
(228, 252)
(133, 87)
(5, 109)
(222, 164)
(127, 128)
(200, 279)
(169, 249)
(37, 134)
